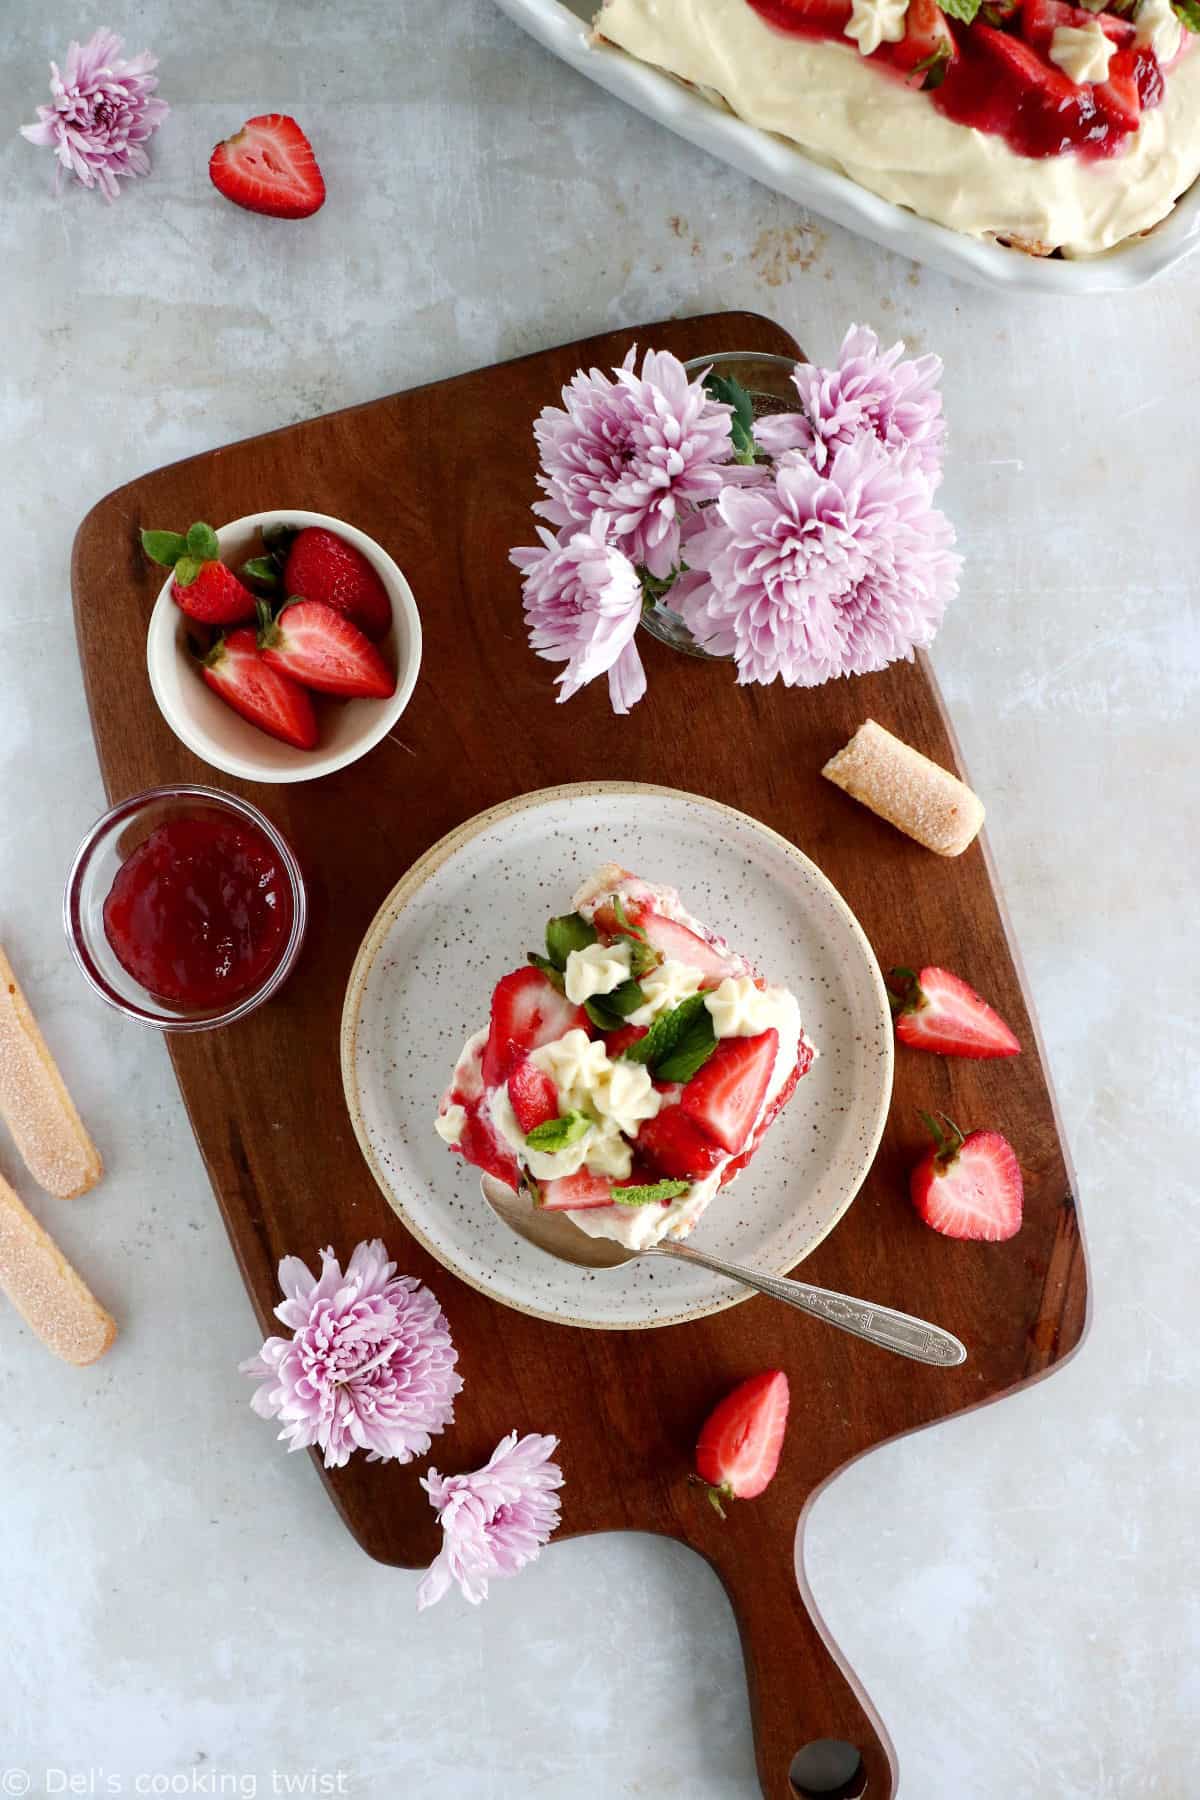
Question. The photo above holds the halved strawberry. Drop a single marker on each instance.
(676, 942)
(724, 1097)
(324, 650)
(269, 167)
(674, 1145)
(534, 1096)
(481, 1144)
(320, 565)
(203, 587)
(234, 669)
(807, 18)
(936, 1010)
(968, 1187)
(927, 49)
(804, 1061)
(1032, 77)
(527, 1010)
(582, 1192)
(741, 1440)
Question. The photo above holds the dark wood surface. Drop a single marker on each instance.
(443, 477)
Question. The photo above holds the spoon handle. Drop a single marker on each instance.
(861, 1318)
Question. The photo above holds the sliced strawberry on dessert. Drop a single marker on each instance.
(581, 1192)
(481, 1145)
(724, 1098)
(1120, 97)
(674, 1145)
(235, 670)
(269, 167)
(1040, 19)
(968, 1187)
(203, 587)
(927, 49)
(1030, 82)
(527, 1010)
(936, 1010)
(324, 650)
(804, 1062)
(741, 1440)
(674, 942)
(806, 18)
(322, 566)
(533, 1095)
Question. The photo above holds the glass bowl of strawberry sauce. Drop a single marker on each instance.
(185, 908)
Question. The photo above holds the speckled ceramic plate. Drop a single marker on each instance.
(468, 911)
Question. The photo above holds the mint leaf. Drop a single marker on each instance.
(933, 67)
(558, 1134)
(1188, 13)
(695, 1044)
(641, 957)
(550, 970)
(624, 928)
(610, 1011)
(741, 424)
(646, 1195)
(681, 1040)
(165, 547)
(202, 543)
(961, 9)
(570, 932)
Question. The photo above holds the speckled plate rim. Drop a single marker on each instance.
(440, 853)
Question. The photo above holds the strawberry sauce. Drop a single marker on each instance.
(1000, 79)
(200, 913)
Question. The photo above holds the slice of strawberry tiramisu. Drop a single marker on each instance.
(630, 1071)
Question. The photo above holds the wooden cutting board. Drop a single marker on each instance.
(443, 477)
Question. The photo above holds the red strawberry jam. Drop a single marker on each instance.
(200, 913)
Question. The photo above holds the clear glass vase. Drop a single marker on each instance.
(768, 381)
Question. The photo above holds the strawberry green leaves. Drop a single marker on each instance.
(186, 555)
(678, 1043)
(558, 1134)
(965, 10)
(165, 547)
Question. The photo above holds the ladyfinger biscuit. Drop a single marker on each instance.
(45, 1289)
(35, 1104)
(915, 795)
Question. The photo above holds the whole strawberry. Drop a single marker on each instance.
(203, 587)
(968, 1187)
(320, 565)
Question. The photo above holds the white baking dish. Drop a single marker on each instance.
(564, 30)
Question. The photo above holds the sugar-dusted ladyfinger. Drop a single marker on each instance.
(919, 797)
(35, 1104)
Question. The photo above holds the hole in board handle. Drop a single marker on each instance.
(828, 1769)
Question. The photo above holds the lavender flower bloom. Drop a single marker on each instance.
(101, 115)
(641, 449)
(583, 601)
(869, 391)
(369, 1366)
(811, 575)
(494, 1520)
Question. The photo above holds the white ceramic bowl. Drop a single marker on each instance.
(349, 728)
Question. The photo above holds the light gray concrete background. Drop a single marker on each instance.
(1017, 1588)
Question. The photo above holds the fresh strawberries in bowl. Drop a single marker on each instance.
(264, 683)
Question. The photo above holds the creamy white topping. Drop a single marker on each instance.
(449, 1124)
(875, 22)
(740, 1008)
(1082, 52)
(1158, 28)
(588, 1082)
(664, 988)
(598, 969)
(543, 1165)
(891, 139)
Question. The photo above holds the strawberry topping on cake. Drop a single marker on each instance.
(629, 1071)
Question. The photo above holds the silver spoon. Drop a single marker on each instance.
(554, 1233)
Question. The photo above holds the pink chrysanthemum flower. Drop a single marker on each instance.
(810, 576)
(869, 391)
(583, 600)
(494, 1520)
(641, 448)
(102, 114)
(369, 1366)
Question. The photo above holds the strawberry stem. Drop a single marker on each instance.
(716, 1495)
(904, 991)
(948, 1142)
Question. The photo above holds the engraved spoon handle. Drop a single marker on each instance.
(861, 1318)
